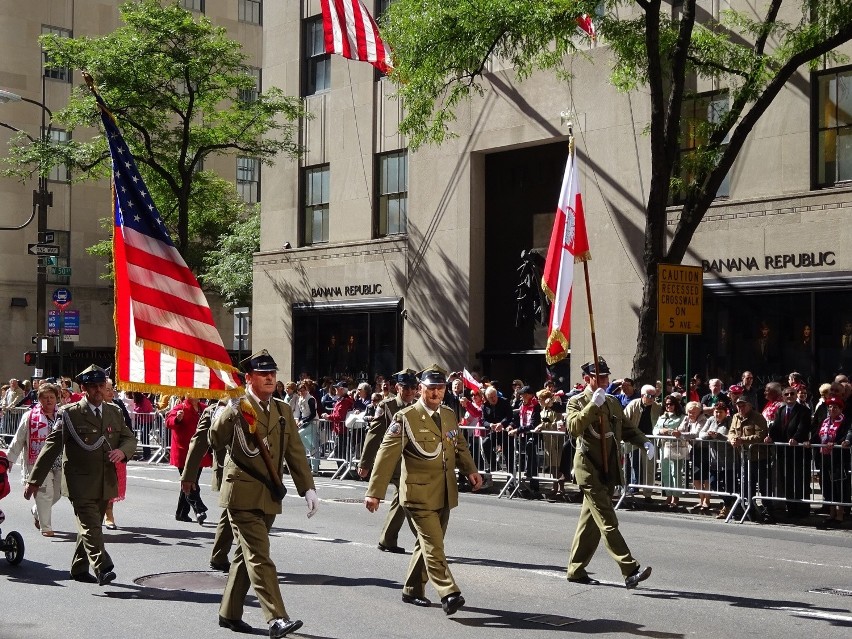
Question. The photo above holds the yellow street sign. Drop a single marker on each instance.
(679, 298)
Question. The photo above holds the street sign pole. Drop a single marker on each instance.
(61, 334)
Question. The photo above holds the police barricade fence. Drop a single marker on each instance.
(344, 446)
(152, 436)
(10, 421)
(493, 453)
(793, 475)
(685, 466)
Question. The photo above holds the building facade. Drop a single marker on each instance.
(374, 257)
(75, 216)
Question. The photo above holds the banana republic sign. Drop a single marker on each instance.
(769, 262)
(349, 290)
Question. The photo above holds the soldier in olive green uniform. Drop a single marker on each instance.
(406, 392)
(597, 516)
(92, 437)
(199, 445)
(426, 437)
(245, 492)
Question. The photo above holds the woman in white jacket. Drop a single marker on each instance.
(35, 425)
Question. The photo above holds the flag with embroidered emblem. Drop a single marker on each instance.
(569, 243)
(166, 339)
(352, 32)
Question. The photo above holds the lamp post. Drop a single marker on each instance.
(42, 198)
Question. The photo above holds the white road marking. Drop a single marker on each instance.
(803, 562)
(817, 614)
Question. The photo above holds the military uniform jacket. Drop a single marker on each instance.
(198, 445)
(429, 458)
(582, 420)
(378, 427)
(86, 474)
(241, 491)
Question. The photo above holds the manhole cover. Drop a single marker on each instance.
(184, 581)
(552, 620)
(832, 591)
(347, 500)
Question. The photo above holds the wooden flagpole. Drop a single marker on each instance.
(604, 455)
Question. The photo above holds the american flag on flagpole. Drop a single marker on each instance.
(166, 340)
(569, 243)
(350, 31)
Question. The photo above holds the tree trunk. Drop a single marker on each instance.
(646, 361)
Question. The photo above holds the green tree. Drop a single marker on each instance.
(229, 270)
(441, 48)
(182, 92)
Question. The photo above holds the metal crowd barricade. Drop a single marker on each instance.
(795, 475)
(701, 467)
(487, 449)
(536, 457)
(153, 436)
(349, 444)
(9, 424)
(329, 448)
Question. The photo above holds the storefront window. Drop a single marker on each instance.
(770, 334)
(351, 342)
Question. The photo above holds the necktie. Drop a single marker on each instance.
(98, 412)
(265, 406)
(786, 415)
(437, 419)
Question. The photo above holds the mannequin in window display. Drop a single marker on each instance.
(846, 347)
(800, 356)
(351, 362)
(332, 357)
(765, 350)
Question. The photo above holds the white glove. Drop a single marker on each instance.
(651, 450)
(234, 402)
(313, 502)
(599, 397)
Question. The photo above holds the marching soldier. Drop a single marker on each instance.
(597, 421)
(426, 438)
(92, 437)
(252, 490)
(199, 445)
(406, 391)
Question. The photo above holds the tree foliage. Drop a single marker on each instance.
(229, 271)
(182, 92)
(442, 49)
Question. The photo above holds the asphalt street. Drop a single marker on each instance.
(710, 579)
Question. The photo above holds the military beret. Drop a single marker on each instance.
(259, 362)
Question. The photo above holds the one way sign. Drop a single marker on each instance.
(43, 249)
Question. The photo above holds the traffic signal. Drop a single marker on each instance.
(30, 358)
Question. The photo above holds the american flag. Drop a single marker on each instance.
(166, 340)
(351, 32)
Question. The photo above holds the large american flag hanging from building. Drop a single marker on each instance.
(166, 340)
(350, 31)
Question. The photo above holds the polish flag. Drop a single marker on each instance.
(569, 243)
(469, 381)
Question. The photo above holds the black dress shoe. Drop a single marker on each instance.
(106, 577)
(183, 518)
(640, 574)
(417, 601)
(282, 627)
(394, 549)
(585, 580)
(451, 603)
(223, 567)
(84, 577)
(237, 625)
(200, 517)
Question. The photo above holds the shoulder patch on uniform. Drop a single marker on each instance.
(394, 430)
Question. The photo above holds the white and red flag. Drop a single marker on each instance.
(470, 381)
(569, 243)
(350, 31)
(587, 26)
(166, 340)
